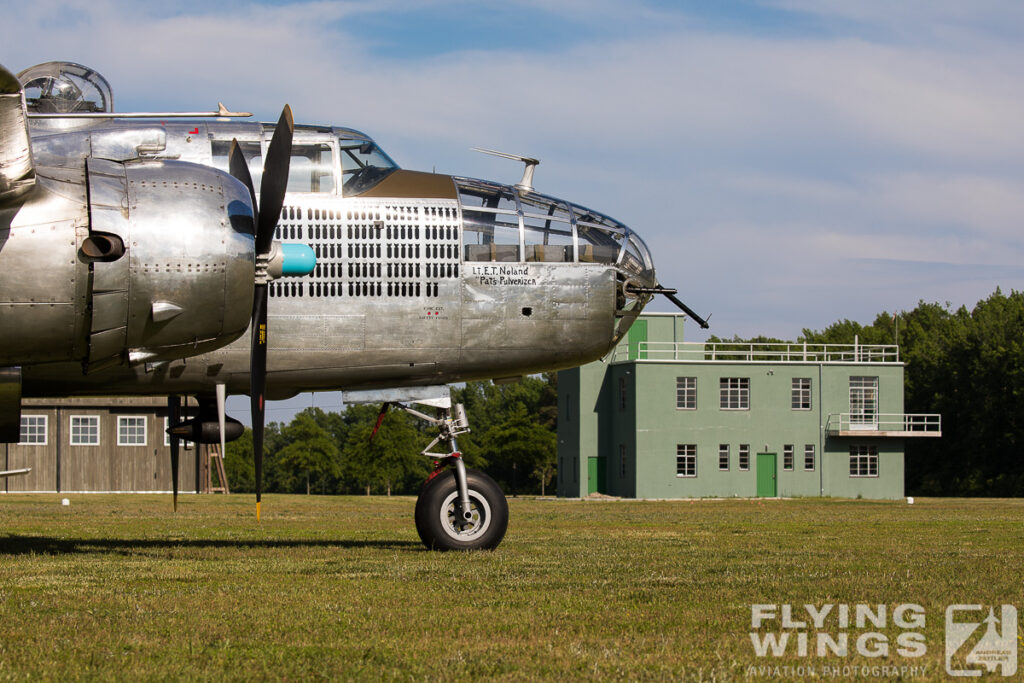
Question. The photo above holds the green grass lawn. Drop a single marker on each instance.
(340, 587)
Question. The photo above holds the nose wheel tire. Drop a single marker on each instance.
(439, 518)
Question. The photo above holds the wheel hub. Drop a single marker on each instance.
(465, 525)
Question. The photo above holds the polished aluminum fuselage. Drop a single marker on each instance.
(393, 301)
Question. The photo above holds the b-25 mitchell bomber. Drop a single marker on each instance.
(136, 251)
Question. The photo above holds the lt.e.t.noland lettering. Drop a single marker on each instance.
(503, 275)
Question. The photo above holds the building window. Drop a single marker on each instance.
(622, 393)
(734, 393)
(622, 460)
(863, 461)
(185, 443)
(686, 393)
(723, 456)
(33, 430)
(787, 457)
(744, 457)
(801, 399)
(568, 407)
(131, 430)
(85, 430)
(809, 456)
(686, 460)
(863, 402)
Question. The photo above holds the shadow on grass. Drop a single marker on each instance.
(13, 544)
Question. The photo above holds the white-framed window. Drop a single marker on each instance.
(743, 454)
(85, 430)
(863, 402)
(723, 456)
(801, 395)
(622, 460)
(33, 430)
(863, 461)
(809, 456)
(131, 430)
(184, 443)
(787, 457)
(622, 393)
(734, 393)
(686, 393)
(686, 460)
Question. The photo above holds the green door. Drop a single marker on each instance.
(637, 334)
(595, 475)
(766, 481)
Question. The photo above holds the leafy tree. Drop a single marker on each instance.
(520, 447)
(391, 462)
(311, 456)
(238, 463)
(240, 467)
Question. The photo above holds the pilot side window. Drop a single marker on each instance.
(311, 168)
(363, 165)
(221, 149)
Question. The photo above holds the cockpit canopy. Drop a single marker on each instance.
(363, 164)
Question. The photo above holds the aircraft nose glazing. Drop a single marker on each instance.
(504, 223)
(635, 263)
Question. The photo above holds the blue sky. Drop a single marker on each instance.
(789, 162)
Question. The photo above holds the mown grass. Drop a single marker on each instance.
(339, 587)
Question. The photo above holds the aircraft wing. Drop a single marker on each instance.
(17, 174)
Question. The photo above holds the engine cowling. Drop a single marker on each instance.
(172, 256)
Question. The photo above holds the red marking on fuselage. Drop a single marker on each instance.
(194, 132)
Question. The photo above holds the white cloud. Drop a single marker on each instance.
(896, 130)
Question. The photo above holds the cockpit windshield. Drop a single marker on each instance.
(363, 165)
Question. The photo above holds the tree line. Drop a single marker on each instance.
(513, 439)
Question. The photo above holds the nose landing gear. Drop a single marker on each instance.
(458, 508)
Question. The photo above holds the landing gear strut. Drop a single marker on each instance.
(458, 508)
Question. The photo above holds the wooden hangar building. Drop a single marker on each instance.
(99, 445)
(664, 418)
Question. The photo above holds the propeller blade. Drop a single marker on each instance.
(222, 395)
(173, 418)
(273, 187)
(257, 383)
(239, 168)
(275, 180)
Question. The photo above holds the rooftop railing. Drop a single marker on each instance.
(755, 352)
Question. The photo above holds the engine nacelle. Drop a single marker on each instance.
(171, 250)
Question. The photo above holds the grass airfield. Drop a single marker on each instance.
(113, 587)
